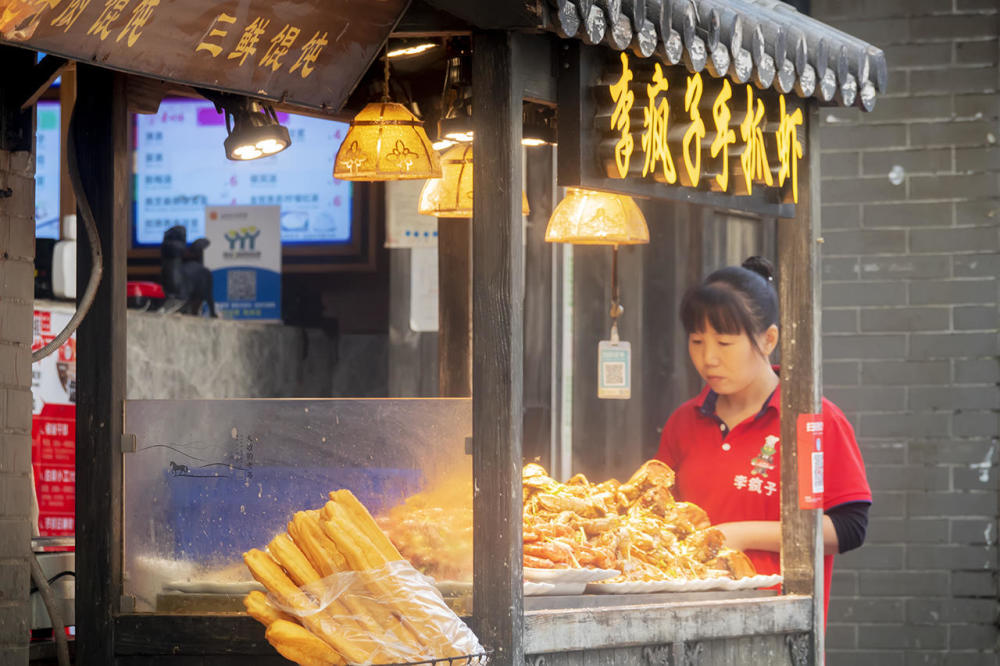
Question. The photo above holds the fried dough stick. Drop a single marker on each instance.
(267, 571)
(261, 609)
(295, 643)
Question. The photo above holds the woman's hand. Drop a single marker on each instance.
(766, 535)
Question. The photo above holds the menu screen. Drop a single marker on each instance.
(47, 171)
(181, 167)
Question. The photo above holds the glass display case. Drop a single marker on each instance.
(206, 480)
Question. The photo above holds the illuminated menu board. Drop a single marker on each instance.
(181, 167)
(47, 171)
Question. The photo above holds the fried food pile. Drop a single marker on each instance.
(340, 592)
(433, 529)
(635, 527)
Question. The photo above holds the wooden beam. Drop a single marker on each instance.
(801, 383)
(67, 98)
(454, 308)
(101, 124)
(498, 347)
(40, 77)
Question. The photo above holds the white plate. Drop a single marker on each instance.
(568, 575)
(750, 582)
(681, 585)
(628, 587)
(213, 587)
(535, 589)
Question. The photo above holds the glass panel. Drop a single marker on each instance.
(210, 479)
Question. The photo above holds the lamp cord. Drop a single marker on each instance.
(385, 83)
(616, 307)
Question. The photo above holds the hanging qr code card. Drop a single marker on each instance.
(614, 370)
(244, 257)
(809, 435)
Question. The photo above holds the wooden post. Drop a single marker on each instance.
(67, 97)
(498, 347)
(454, 308)
(102, 143)
(801, 380)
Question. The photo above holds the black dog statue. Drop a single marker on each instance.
(187, 284)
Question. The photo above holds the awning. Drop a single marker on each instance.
(765, 42)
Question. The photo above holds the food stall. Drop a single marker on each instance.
(712, 103)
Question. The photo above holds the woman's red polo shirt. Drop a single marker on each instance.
(735, 475)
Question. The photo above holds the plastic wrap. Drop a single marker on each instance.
(380, 616)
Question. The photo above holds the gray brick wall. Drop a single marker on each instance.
(17, 250)
(910, 345)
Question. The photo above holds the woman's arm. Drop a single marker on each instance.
(766, 535)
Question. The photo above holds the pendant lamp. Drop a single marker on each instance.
(588, 217)
(451, 194)
(386, 142)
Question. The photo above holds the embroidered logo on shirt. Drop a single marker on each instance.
(764, 462)
(755, 484)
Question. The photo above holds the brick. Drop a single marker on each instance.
(901, 425)
(952, 504)
(882, 345)
(973, 637)
(974, 424)
(888, 504)
(950, 557)
(924, 161)
(867, 399)
(953, 345)
(16, 322)
(844, 584)
(979, 371)
(900, 214)
(976, 105)
(952, 79)
(18, 410)
(908, 266)
(897, 373)
(977, 159)
(875, 320)
(979, 213)
(14, 624)
(840, 321)
(904, 530)
(975, 477)
(925, 107)
(973, 584)
(958, 132)
(925, 658)
(973, 5)
(858, 190)
(846, 294)
(977, 265)
(17, 537)
(951, 187)
(844, 635)
(840, 269)
(953, 26)
(974, 531)
(902, 583)
(952, 398)
(868, 611)
(862, 137)
(918, 55)
(839, 216)
(840, 373)
(900, 636)
(910, 477)
(978, 52)
(15, 580)
(15, 454)
(873, 557)
(865, 658)
(957, 658)
(975, 317)
(15, 495)
(963, 239)
(948, 611)
(884, 454)
(933, 452)
(839, 165)
(878, 31)
(17, 279)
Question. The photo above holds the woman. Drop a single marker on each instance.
(724, 444)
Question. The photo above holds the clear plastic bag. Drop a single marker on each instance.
(389, 615)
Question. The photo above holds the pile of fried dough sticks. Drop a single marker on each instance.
(340, 593)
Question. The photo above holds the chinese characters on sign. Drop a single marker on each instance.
(747, 140)
(283, 40)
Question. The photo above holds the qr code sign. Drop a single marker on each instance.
(614, 374)
(241, 285)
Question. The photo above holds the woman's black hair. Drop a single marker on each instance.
(734, 300)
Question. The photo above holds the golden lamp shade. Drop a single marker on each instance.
(587, 217)
(451, 194)
(386, 142)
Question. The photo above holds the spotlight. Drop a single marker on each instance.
(254, 131)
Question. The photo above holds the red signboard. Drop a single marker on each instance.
(53, 426)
